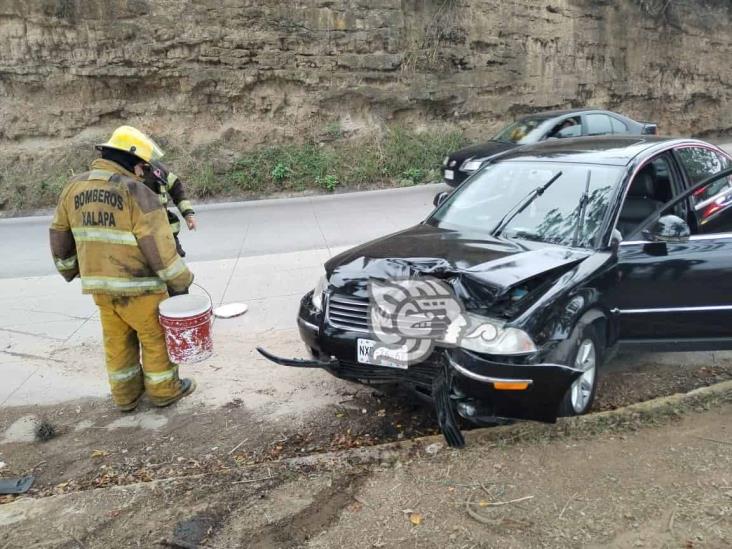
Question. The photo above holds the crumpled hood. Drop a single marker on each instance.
(480, 269)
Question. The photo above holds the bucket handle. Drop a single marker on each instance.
(205, 291)
(210, 300)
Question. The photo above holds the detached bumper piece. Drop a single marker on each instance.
(441, 394)
(298, 362)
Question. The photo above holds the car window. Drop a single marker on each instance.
(711, 217)
(524, 131)
(700, 163)
(653, 185)
(568, 127)
(619, 127)
(556, 216)
(713, 205)
(598, 124)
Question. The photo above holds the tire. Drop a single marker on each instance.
(588, 353)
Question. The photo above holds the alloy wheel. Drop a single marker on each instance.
(586, 361)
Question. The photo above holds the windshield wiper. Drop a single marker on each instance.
(521, 206)
(584, 199)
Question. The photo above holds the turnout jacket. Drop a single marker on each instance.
(110, 230)
(165, 183)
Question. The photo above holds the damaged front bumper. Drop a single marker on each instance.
(479, 389)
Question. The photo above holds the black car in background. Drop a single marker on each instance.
(560, 253)
(536, 128)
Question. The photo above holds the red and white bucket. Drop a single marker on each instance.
(186, 321)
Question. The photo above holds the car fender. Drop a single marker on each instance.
(574, 297)
(560, 346)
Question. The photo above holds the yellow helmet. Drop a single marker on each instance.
(132, 140)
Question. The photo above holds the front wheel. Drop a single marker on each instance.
(587, 358)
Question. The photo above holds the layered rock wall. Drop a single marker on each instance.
(254, 71)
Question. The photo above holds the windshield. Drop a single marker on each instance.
(527, 130)
(491, 195)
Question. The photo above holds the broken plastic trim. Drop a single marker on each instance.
(441, 389)
(18, 485)
(298, 362)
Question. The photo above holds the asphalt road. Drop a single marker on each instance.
(241, 229)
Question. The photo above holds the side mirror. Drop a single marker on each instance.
(440, 198)
(668, 228)
(615, 239)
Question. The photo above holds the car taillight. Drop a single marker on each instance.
(711, 209)
(714, 207)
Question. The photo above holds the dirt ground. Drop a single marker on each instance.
(657, 475)
(95, 446)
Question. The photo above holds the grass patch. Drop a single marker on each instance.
(399, 157)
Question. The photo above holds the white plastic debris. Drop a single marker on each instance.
(433, 448)
(230, 310)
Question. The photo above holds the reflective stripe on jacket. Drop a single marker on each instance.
(110, 230)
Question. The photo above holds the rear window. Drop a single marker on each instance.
(598, 124)
(700, 163)
(618, 126)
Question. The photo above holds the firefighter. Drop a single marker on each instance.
(110, 231)
(166, 184)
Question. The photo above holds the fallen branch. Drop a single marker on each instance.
(477, 516)
(671, 521)
(235, 448)
(717, 521)
(483, 519)
(498, 503)
(252, 480)
(566, 505)
(715, 440)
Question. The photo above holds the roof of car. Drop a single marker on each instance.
(561, 112)
(610, 150)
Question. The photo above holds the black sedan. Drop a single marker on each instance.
(508, 298)
(539, 127)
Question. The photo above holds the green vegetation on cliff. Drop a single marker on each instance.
(398, 157)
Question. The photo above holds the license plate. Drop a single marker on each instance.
(449, 174)
(367, 352)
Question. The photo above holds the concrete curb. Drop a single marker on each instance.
(650, 412)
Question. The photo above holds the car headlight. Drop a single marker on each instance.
(319, 291)
(493, 337)
(444, 162)
(472, 165)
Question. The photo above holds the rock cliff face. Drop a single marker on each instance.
(251, 71)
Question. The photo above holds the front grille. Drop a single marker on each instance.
(348, 313)
(421, 374)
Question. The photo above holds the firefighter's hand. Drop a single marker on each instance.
(191, 222)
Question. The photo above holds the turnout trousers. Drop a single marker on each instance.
(134, 347)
